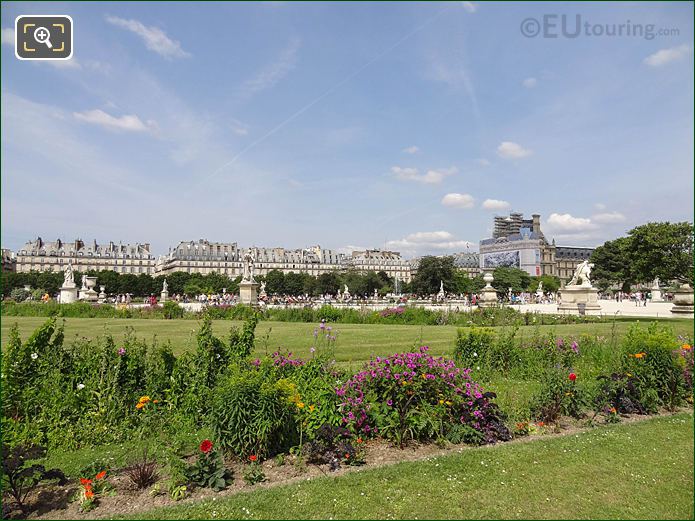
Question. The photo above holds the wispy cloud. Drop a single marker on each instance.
(495, 204)
(669, 55)
(511, 150)
(469, 6)
(411, 150)
(483, 162)
(608, 218)
(420, 243)
(429, 177)
(530, 83)
(128, 123)
(155, 39)
(271, 74)
(455, 200)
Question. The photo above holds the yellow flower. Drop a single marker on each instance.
(441, 402)
(311, 408)
(300, 405)
(629, 375)
(144, 399)
(687, 347)
(640, 355)
(140, 405)
(448, 402)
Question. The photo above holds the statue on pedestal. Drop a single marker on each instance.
(263, 294)
(69, 276)
(582, 272)
(248, 268)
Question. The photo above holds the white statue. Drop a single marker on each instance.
(441, 286)
(263, 288)
(582, 272)
(69, 279)
(165, 287)
(346, 291)
(539, 291)
(248, 268)
(656, 283)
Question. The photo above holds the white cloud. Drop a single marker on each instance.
(274, 72)
(129, 122)
(429, 177)
(567, 224)
(469, 6)
(411, 150)
(427, 242)
(484, 162)
(511, 150)
(455, 200)
(155, 39)
(665, 56)
(530, 83)
(608, 218)
(8, 36)
(600, 206)
(495, 204)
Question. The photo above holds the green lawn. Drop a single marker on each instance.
(637, 471)
(356, 342)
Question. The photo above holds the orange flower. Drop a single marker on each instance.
(687, 347)
(88, 494)
(613, 411)
(155, 401)
(101, 475)
(640, 355)
(359, 440)
(85, 481)
(140, 405)
(540, 424)
(347, 455)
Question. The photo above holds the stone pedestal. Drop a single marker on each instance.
(488, 295)
(248, 292)
(683, 300)
(573, 298)
(656, 295)
(90, 294)
(102, 294)
(163, 297)
(68, 293)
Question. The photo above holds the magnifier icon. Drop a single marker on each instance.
(43, 35)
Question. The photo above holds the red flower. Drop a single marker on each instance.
(85, 481)
(573, 377)
(253, 457)
(206, 446)
(101, 475)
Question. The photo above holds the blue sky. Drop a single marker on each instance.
(398, 125)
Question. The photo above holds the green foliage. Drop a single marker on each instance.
(19, 478)
(241, 341)
(19, 294)
(472, 344)
(558, 395)
(252, 414)
(171, 309)
(431, 271)
(254, 474)
(514, 278)
(209, 471)
(651, 354)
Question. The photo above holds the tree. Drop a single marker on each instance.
(433, 270)
(275, 282)
(514, 278)
(294, 283)
(328, 283)
(611, 264)
(661, 249)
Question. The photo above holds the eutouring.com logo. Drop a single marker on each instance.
(572, 26)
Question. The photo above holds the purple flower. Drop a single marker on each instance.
(389, 402)
(312, 350)
(121, 351)
(575, 347)
(560, 343)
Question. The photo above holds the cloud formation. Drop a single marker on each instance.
(511, 150)
(455, 200)
(274, 72)
(154, 38)
(568, 224)
(495, 204)
(420, 243)
(429, 177)
(411, 150)
(128, 122)
(608, 218)
(669, 55)
(469, 6)
(530, 83)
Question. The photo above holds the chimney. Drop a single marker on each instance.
(536, 223)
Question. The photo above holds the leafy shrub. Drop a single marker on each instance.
(19, 294)
(171, 310)
(415, 396)
(19, 478)
(559, 395)
(652, 355)
(241, 340)
(332, 445)
(209, 470)
(618, 394)
(472, 345)
(254, 473)
(252, 414)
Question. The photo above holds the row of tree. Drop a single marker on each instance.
(658, 249)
